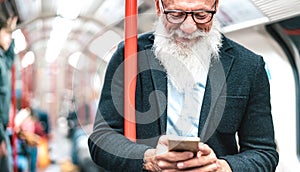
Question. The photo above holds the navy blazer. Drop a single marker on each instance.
(236, 105)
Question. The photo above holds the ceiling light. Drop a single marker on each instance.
(58, 36)
(69, 9)
(28, 59)
(73, 59)
(20, 41)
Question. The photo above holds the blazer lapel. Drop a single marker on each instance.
(159, 82)
(215, 84)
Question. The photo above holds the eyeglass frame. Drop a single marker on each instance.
(166, 12)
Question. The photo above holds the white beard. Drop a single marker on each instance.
(186, 63)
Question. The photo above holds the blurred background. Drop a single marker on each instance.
(63, 47)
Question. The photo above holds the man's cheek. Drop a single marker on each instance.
(204, 27)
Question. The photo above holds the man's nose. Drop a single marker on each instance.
(188, 26)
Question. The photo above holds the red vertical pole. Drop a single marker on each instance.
(14, 107)
(130, 68)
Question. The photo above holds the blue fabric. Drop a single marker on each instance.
(32, 150)
(184, 108)
(22, 163)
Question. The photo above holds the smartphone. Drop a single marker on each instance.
(181, 143)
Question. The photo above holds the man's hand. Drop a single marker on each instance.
(160, 159)
(12, 23)
(205, 161)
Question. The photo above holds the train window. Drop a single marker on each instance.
(287, 34)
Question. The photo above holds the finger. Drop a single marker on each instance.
(163, 140)
(15, 19)
(162, 145)
(210, 167)
(161, 150)
(198, 162)
(152, 167)
(170, 170)
(12, 22)
(166, 165)
(173, 156)
(204, 149)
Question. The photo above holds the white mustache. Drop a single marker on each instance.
(194, 35)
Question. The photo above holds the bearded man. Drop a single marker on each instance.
(192, 82)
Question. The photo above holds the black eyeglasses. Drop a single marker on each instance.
(179, 16)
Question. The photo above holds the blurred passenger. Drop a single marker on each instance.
(31, 132)
(43, 117)
(192, 81)
(72, 123)
(7, 56)
(43, 147)
(80, 152)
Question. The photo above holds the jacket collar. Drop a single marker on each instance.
(159, 82)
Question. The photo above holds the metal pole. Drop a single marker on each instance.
(130, 68)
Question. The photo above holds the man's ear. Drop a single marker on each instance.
(157, 7)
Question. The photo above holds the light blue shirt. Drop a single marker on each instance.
(183, 111)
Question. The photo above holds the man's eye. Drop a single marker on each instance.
(177, 14)
(200, 15)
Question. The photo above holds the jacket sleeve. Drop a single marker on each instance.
(10, 55)
(256, 133)
(107, 144)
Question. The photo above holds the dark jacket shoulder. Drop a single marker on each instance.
(236, 48)
(143, 39)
